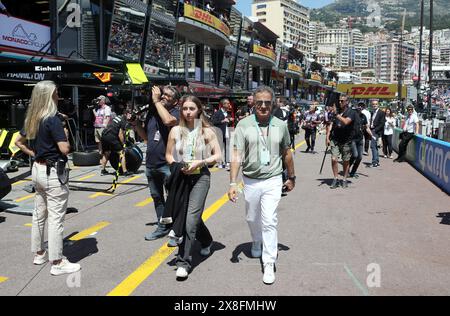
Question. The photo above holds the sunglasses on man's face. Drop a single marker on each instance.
(260, 103)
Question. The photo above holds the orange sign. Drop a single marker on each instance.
(103, 76)
(316, 77)
(370, 91)
(259, 50)
(204, 17)
(295, 68)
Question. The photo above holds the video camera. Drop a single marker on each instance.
(142, 105)
(333, 100)
(95, 103)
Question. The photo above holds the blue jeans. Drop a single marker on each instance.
(157, 178)
(374, 148)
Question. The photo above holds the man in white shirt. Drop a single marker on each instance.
(410, 127)
(102, 118)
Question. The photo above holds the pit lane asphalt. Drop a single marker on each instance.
(391, 216)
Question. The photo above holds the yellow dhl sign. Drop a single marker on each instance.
(295, 68)
(259, 50)
(204, 17)
(371, 91)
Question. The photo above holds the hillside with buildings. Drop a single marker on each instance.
(371, 15)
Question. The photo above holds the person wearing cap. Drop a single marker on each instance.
(410, 127)
(102, 118)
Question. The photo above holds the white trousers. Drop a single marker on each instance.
(261, 202)
(50, 203)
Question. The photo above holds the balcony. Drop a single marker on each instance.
(202, 27)
(294, 71)
(262, 57)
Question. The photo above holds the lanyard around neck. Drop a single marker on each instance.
(261, 131)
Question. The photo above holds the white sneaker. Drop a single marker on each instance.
(64, 267)
(205, 252)
(269, 273)
(256, 249)
(40, 259)
(182, 273)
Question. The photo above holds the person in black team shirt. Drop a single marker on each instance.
(361, 128)
(113, 139)
(162, 116)
(339, 136)
(49, 146)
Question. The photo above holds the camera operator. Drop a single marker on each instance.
(102, 113)
(310, 123)
(162, 116)
(339, 136)
(113, 139)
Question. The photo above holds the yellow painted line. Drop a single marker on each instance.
(130, 284)
(87, 177)
(3, 279)
(21, 181)
(93, 196)
(301, 144)
(145, 202)
(89, 231)
(28, 225)
(25, 198)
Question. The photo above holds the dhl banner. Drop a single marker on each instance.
(295, 68)
(259, 50)
(371, 91)
(204, 17)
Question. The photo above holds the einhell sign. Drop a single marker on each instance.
(204, 17)
(23, 34)
(370, 91)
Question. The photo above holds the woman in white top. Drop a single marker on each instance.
(388, 132)
(193, 143)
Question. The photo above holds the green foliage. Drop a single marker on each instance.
(391, 14)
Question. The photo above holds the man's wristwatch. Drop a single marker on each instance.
(292, 178)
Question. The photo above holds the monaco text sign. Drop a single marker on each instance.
(22, 34)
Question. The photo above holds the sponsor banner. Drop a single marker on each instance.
(371, 91)
(23, 34)
(259, 50)
(25, 76)
(204, 17)
(295, 68)
(429, 156)
(316, 77)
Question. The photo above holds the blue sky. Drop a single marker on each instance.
(245, 5)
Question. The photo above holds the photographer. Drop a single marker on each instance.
(310, 123)
(339, 136)
(102, 113)
(113, 139)
(162, 116)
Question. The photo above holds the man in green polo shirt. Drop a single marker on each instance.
(261, 144)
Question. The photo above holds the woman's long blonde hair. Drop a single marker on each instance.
(184, 131)
(42, 106)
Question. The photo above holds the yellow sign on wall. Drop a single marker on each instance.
(316, 77)
(295, 68)
(204, 17)
(371, 91)
(259, 50)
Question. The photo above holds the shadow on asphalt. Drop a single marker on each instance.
(2, 219)
(81, 249)
(197, 259)
(152, 224)
(246, 250)
(445, 218)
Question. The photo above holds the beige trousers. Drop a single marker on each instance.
(50, 203)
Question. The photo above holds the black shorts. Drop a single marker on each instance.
(111, 142)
